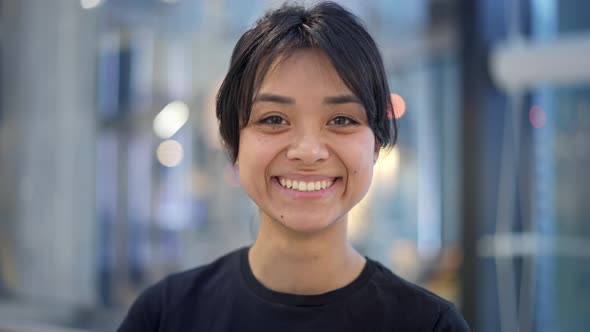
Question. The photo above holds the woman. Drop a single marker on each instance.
(303, 113)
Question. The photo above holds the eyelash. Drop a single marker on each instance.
(350, 121)
(270, 120)
(276, 120)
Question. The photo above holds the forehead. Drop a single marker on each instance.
(308, 69)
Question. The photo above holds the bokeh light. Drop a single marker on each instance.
(537, 117)
(399, 105)
(387, 166)
(170, 153)
(171, 119)
(90, 4)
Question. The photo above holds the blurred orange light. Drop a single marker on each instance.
(537, 117)
(399, 106)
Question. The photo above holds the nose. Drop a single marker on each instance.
(308, 148)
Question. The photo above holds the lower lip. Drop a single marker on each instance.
(306, 194)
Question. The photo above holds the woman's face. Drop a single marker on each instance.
(306, 156)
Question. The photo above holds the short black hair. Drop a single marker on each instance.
(326, 26)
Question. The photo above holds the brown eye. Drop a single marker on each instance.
(272, 120)
(342, 121)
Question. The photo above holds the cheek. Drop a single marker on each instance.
(254, 156)
(360, 160)
(362, 170)
(366, 149)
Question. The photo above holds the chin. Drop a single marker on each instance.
(305, 224)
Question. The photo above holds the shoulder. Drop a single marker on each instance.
(202, 278)
(404, 292)
(415, 304)
(177, 290)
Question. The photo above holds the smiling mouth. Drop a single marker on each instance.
(305, 186)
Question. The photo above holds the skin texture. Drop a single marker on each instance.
(305, 124)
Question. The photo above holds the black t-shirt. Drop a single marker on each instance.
(225, 296)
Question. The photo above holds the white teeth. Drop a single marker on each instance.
(305, 186)
(302, 186)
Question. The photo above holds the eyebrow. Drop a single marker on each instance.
(332, 100)
(273, 99)
(343, 99)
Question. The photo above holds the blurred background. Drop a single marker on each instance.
(112, 175)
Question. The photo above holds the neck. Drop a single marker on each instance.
(306, 264)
